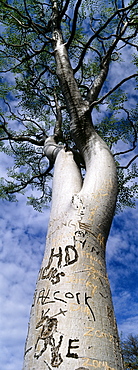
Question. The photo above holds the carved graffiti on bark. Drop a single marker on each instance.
(46, 337)
(71, 346)
(45, 298)
(51, 273)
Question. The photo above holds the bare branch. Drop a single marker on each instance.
(90, 47)
(65, 8)
(112, 90)
(58, 130)
(135, 136)
(117, 12)
(94, 91)
(42, 73)
(13, 45)
(28, 15)
(22, 117)
(19, 138)
(22, 138)
(23, 25)
(129, 163)
(74, 23)
(27, 58)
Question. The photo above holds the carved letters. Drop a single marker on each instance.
(46, 338)
(49, 337)
(51, 273)
(44, 298)
(71, 346)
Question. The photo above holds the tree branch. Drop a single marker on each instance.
(58, 135)
(42, 73)
(112, 90)
(129, 163)
(26, 183)
(64, 9)
(21, 117)
(118, 11)
(19, 138)
(13, 45)
(8, 6)
(94, 91)
(74, 23)
(135, 136)
(22, 138)
(38, 26)
(27, 58)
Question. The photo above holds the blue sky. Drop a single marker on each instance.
(22, 243)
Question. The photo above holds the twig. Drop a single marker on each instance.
(132, 160)
(112, 90)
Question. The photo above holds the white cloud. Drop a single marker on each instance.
(22, 242)
(122, 261)
(130, 325)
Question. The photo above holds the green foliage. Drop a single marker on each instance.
(130, 352)
(127, 187)
(29, 83)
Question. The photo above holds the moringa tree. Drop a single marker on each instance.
(56, 59)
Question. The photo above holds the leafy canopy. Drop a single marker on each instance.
(32, 99)
(130, 352)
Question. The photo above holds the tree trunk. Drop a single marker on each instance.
(72, 324)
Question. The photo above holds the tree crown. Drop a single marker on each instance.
(97, 37)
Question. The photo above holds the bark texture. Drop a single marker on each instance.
(72, 324)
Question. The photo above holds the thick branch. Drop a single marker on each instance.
(74, 23)
(98, 83)
(65, 8)
(67, 81)
(75, 104)
(58, 126)
(51, 149)
(22, 138)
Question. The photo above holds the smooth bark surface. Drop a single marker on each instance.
(72, 323)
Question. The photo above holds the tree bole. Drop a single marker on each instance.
(72, 324)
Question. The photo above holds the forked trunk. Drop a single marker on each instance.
(72, 324)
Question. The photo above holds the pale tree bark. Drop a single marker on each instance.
(72, 323)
